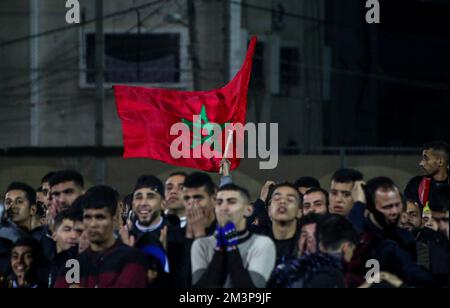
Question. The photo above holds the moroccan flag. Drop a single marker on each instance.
(147, 115)
(424, 191)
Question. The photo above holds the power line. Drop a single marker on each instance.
(333, 70)
(271, 10)
(156, 11)
(71, 27)
(437, 86)
(74, 46)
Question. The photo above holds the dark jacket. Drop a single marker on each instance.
(412, 188)
(312, 271)
(59, 262)
(392, 251)
(10, 232)
(5, 253)
(179, 254)
(433, 254)
(48, 245)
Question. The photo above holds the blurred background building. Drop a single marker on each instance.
(334, 83)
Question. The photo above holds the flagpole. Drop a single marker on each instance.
(227, 146)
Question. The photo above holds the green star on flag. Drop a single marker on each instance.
(203, 124)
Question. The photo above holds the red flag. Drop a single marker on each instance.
(147, 115)
(424, 191)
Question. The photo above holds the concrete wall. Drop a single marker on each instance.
(66, 110)
(14, 74)
(299, 114)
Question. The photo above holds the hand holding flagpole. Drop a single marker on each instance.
(225, 154)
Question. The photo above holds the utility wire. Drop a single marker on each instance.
(72, 26)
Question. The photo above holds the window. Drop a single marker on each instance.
(257, 80)
(289, 69)
(147, 58)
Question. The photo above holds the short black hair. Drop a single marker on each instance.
(100, 197)
(200, 179)
(318, 189)
(373, 185)
(35, 273)
(346, 175)
(128, 199)
(311, 218)
(66, 176)
(307, 181)
(61, 216)
(149, 181)
(284, 184)
(28, 241)
(30, 193)
(180, 173)
(46, 178)
(76, 210)
(333, 230)
(440, 146)
(233, 187)
(418, 204)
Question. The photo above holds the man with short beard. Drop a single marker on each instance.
(434, 166)
(384, 241)
(385, 205)
(432, 246)
(65, 187)
(148, 203)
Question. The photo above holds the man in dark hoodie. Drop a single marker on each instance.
(325, 268)
(384, 241)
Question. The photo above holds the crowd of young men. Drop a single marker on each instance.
(190, 232)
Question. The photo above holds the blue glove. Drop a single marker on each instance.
(220, 245)
(230, 236)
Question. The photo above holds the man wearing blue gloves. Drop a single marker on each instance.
(233, 257)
